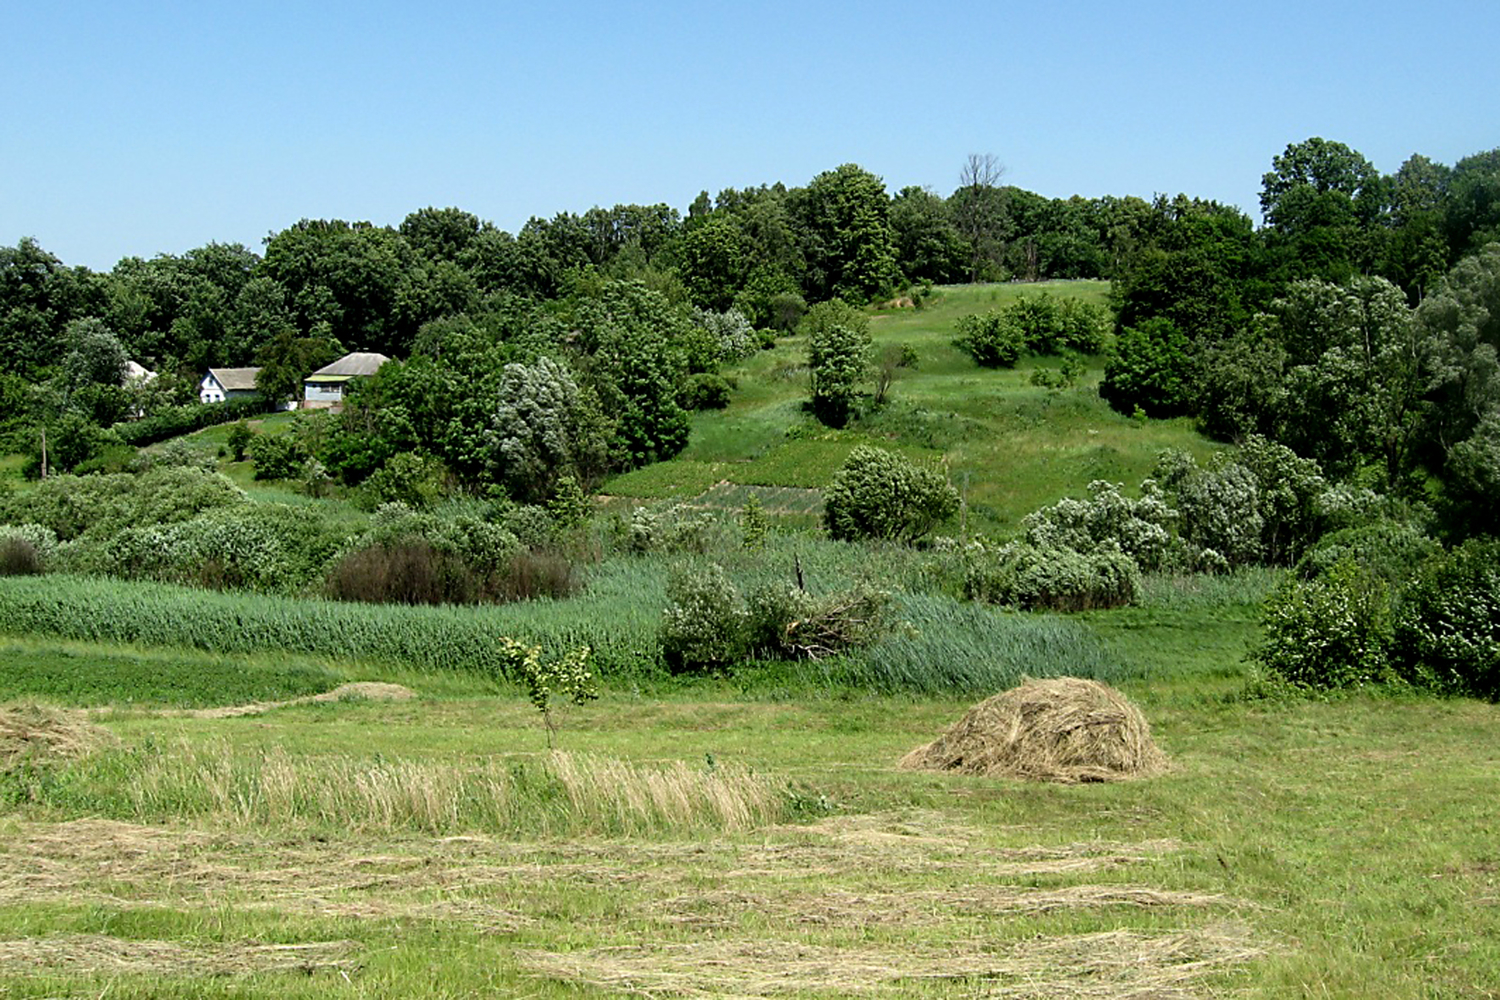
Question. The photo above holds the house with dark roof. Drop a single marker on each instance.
(325, 387)
(223, 384)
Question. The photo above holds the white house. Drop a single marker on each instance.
(223, 384)
(325, 387)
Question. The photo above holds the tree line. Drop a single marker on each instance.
(1348, 324)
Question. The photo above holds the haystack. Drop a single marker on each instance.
(37, 733)
(1064, 729)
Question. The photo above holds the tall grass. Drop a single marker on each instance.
(972, 649)
(556, 795)
(621, 628)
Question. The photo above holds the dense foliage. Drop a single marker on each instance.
(879, 494)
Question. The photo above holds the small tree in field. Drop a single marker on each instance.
(839, 360)
(879, 494)
(568, 678)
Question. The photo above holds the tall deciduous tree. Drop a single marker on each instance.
(928, 244)
(1323, 203)
(979, 211)
(847, 235)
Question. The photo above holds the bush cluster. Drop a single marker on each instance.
(708, 625)
(1329, 632)
(1447, 626)
(410, 571)
(1040, 324)
(1030, 577)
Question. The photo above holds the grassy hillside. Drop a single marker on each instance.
(1012, 446)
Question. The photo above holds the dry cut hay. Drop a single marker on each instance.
(1104, 966)
(85, 954)
(1064, 729)
(37, 733)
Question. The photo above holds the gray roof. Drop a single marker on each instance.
(350, 365)
(235, 379)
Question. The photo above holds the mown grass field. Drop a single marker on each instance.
(1012, 446)
(743, 836)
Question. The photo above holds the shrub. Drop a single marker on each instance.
(238, 439)
(277, 456)
(755, 526)
(1220, 510)
(1260, 503)
(703, 626)
(406, 478)
(1026, 576)
(991, 339)
(404, 572)
(1064, 376)
(18, 557)
(26, 544)
(1330, 632)
(672, 528)
(879, 494)
(1036, 319)
(1391, 550)
(262, 547)
(1082, 327)
(1447, 628)
(705, 391)
(1151, 369)
(533, 573)
(178, 420)
(790, 623)
(838, 359)
(1138, 528)
(100, 506)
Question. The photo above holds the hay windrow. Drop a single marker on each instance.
(85, 954)
(726, 908)
(1064, 729)
(1110, 964)
(354, 691)
(39, 733)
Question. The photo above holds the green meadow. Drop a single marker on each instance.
(219, 794)
(1011, 446)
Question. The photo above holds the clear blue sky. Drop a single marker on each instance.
(133, 128)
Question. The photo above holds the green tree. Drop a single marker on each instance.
(711, 261)
(838, 361)
(543, 428)
(442, 233)
(1324, 205)
(39, 296)
(1472, 216)
(928, 244)
(980, 214)
(286, 359)
(1361, 370)
(344, 280)
(1151, 368)
(847, 240)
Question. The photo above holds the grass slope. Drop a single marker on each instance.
(1012, 446)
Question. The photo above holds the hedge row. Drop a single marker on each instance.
(176, 421)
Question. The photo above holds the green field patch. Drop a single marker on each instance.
(89, 675)
(667, 480)
(778, 500)
(810, 464)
